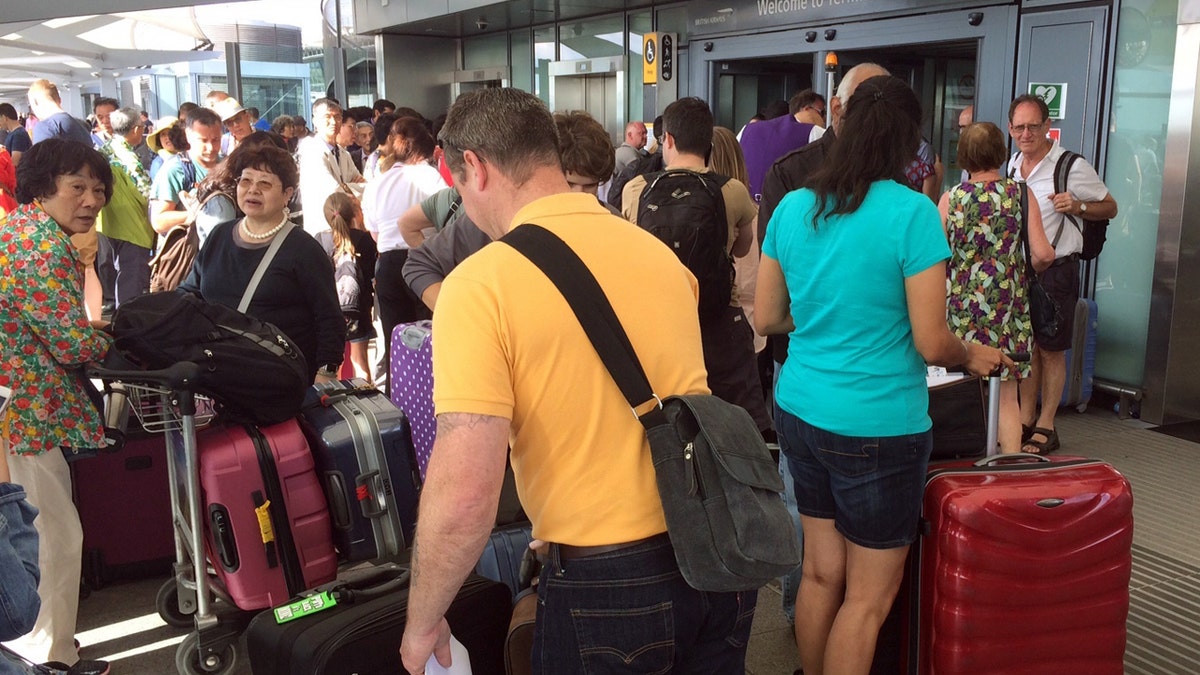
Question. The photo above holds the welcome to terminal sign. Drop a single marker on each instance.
(721, 16)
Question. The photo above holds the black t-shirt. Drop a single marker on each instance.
(296, 294)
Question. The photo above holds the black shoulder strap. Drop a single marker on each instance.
(1025, 228)
(1062, 169)
(593, 310)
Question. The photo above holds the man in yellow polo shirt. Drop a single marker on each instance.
(511, 363)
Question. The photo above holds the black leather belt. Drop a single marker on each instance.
(568, 552)
(1065, 259)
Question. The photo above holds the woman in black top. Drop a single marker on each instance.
(297, 293)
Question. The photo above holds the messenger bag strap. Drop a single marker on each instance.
(593, 310)
(1025, 228)
(261, 270)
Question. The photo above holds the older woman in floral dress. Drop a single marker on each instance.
(987, 278)
(46, 338)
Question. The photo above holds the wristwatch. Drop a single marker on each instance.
(329, 370)
(1082, 207)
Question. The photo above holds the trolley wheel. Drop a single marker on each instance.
(167, 604)
(189, 662)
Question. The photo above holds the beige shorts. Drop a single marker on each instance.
(87, 245)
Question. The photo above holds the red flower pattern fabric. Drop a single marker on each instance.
(46, 335)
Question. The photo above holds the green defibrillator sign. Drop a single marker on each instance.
(1055, 96)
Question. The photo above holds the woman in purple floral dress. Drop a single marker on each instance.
(46, 337)
(986, 274)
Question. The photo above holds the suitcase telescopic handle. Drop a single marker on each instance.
(993, 410)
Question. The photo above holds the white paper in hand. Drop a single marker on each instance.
(460, 661)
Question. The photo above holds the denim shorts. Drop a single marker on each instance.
(870, 487)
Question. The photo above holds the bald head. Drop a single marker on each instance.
(635, 134)
(850, 81)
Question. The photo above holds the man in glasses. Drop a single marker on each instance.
(767, 141)
(1085, 197)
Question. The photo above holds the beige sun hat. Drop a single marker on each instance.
(227, 108)
(159, 127)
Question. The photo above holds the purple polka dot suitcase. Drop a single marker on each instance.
(411, 379)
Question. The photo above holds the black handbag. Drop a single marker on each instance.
(1043, 310)
(720, 487)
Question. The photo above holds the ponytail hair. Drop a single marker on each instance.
(340, 213)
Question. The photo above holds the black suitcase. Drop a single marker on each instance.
(361, 634)
(363, 450)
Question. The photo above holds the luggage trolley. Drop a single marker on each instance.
(165, 401)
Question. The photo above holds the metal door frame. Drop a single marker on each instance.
(460, 77)
(995, 30)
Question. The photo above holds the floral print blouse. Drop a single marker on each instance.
(45, 337)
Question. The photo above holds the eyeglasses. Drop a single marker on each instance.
(1021, 129)
(819, 111)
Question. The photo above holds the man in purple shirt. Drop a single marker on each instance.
(766, 141)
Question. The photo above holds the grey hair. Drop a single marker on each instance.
(507, 127)
(850, 81)
(365, 125)
(124, 120)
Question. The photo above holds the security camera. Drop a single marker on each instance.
(481, 23)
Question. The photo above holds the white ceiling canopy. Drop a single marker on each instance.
(80, 49)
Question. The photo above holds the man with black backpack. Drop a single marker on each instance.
(1076, 207)
(705, 218)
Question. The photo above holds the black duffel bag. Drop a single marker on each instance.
(251, 369)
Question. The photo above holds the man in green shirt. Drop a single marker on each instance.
(126, 239)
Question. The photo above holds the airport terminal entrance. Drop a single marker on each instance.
(944, 57)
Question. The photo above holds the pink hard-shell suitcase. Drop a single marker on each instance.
(268, 532)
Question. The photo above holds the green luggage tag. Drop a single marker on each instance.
(304, 607)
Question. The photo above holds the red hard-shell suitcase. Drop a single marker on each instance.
(1023, 567)
(266, 518)
(124, 504)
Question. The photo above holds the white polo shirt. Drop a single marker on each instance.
(1082, 183)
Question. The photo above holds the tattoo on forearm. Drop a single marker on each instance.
(449, 422)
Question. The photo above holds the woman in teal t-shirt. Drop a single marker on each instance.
(854, 270)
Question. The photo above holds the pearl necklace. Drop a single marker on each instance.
(265, 235)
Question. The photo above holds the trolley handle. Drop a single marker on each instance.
(180, 376)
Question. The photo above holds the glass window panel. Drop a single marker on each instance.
(1133, 173)
(674, 20)
(640, 23)
(544, 53)
(592, 38)
(485, 51)
(521, 59)
(274, 96)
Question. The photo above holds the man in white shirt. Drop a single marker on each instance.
(324, 167)
(1084, 197)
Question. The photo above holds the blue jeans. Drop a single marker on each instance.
(630, 611)
(19, 574)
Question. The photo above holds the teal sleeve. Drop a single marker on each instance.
(925, 242)
(167, 183)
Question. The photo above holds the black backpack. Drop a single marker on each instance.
(1094, 232)
(249, 367)
(686, 210)
(638, 167)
